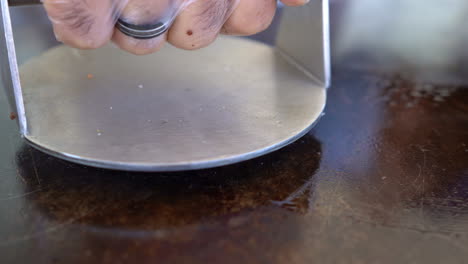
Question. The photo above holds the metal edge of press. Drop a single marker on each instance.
(9, 68)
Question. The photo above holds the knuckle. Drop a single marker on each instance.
(82, 26)
(194, 42)
(251, 18)
(72, 14)
(199, 26)
(212, 14)
(295, 2)
(247, 27)
(88, 44)
(83, 42)
(256, 26)
(138, 46)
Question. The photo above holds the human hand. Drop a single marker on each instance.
(193, 24)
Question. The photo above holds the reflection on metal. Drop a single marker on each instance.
(164, 112)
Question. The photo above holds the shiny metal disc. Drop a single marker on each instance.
(174, 110)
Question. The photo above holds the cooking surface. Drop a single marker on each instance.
(382, 178)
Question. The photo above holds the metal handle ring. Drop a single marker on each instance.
(146, 31)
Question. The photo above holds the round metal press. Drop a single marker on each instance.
(173, 110)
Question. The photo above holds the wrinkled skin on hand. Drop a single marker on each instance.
(89, 24)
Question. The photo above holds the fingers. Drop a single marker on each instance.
(141, 12)
(251, 17)
(295, 2)
(85, 24)
(90, 24)
(199, 24)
